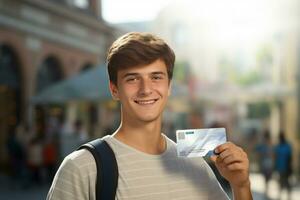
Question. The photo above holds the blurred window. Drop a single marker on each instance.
(10, 90)
(86, 67)
(8, 67)
(49, 72)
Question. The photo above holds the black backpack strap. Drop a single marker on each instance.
(107, 169)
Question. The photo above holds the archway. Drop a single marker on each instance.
(10, 96)
(49, 73)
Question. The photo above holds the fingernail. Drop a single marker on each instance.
(216, 151)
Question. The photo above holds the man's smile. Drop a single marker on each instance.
(146, 101)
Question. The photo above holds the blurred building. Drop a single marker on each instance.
(245, 65)
(42, 43)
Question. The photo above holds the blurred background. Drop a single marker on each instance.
(237, 66)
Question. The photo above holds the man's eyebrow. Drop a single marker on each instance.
(129, 74)
(137, 74)
(159, 73)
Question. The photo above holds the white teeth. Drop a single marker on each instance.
(145, 102)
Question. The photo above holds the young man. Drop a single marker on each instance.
(140, 67)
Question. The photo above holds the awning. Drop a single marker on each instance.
(91, 85)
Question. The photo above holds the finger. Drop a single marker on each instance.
(220, 164)
(225, 154)
(236, 153)
(223, 147)
(230, 159)
(236, 166)
(219, 161)
(228, 149)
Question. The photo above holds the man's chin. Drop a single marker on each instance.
(149, 119)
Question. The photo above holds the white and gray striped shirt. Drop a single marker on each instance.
(141, 176)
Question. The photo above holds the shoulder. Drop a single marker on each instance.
(80, 157)
(119, 148)
(81, 162)
(74, 177)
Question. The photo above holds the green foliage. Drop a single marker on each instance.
(264, 55)
(232, 73)
(181, 72)
(250, 78)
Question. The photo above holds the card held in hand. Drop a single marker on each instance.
(199, 142)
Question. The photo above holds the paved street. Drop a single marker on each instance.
(258, 188)
(9, 191)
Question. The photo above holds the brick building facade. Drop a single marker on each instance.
(41, 43)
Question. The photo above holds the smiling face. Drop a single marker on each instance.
(143, 91)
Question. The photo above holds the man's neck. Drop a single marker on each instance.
(145, 137)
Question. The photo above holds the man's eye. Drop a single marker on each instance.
(157, 77)
(133, 79)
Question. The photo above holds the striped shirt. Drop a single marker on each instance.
(141, 176)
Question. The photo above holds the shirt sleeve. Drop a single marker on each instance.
(69, 182)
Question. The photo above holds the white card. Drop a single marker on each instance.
(199, 142)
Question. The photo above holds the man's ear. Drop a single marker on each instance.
(114, 90)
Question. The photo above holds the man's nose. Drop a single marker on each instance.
(145, 87)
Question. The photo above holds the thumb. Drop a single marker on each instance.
(213, 158)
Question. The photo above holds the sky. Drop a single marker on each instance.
(118, 11)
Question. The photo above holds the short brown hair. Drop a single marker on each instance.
(133, 49)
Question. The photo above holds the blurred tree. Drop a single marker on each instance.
(182, 72)
(250, 78)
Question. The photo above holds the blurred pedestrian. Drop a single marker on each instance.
(50, 159)
(35, 160)
(265, 155)
(66, 138)
(16, 158)
(72, 137)
(283, 163)
(80, 132)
